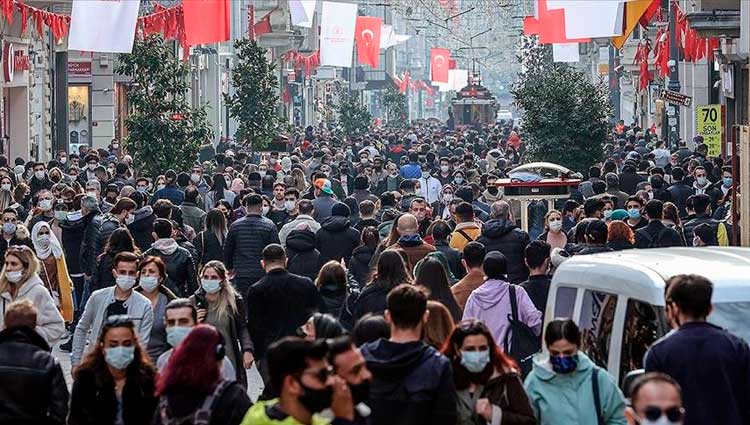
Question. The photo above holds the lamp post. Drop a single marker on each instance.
(673, 111)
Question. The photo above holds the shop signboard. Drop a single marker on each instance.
(709, 123)
(79, 69)
(16, 64)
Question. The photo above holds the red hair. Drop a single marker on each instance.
(194, 365)
(499, 361)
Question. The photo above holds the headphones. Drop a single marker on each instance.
(221, 350)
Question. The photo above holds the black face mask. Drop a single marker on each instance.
(492, 190)
(360, 392)
(316, 400)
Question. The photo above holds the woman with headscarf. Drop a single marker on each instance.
(53, 270)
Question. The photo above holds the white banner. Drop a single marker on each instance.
(457, 79)
(302, 12)
(337, 34)
(387, 38)
(565, 52)
(591, 19)
(103, 25)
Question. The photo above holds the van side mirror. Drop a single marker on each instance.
(630, 378)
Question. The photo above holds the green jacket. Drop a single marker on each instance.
(258, 415)
(569, 398)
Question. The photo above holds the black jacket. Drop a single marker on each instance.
(239, 337)
(657, 235)
(454, 258)
(332, 298)
(593, 249)
(336, 239)
(208, 247)
(688, 227)
(92, 223)
(503, 236)
(142, 227)
(303, 257)
(72, 239)
(679, 192)
(181, 270)
(412, 384)
(37, 185)
(629, 180)
(103, 277)
(277, 305)
(110, 223)
(359, 266)
(368, 222)
(245, 242)
(228, 409)
(372, 299)
(93, 400)
(32, 386)
(712, 367)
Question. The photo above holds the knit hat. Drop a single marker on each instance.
(340, 210)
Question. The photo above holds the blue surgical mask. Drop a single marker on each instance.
(634, 213)
(607, 214)
(211, 286)
(564, 364)
(119, 357)
(175, 334)
(475, 361)
(9, 228)
(727, 181)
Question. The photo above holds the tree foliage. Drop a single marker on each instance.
(255, 99)
(565, 115)
(164, 131)
(396, 107)
(354, 117)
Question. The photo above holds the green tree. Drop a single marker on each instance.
(565, 115)
(396, 107)
(164, 131)
(255, 99)
(354, 117)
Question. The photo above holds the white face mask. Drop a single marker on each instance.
(195, 177)
(45, 204)
(125, 283)
(44, 240)
(555, 225)
(5, 186)
(444, 168)
(425, 174)
(289, 205)
(14, 277)
(39, 174)
(447, 197)
(160, 186)
(149, 283)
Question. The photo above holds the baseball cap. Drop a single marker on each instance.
(324, 185)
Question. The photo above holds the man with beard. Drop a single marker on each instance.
(349, 364)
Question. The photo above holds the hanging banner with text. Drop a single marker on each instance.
(709, 123)
(337, 34)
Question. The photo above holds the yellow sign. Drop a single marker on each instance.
(709, 123)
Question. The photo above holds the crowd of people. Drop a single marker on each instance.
(379, 280)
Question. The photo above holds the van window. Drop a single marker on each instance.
(597, 317)
(644, 324)
(565, 301)
(733, 317)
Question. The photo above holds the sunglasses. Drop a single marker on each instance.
(674, 414)
(321, 375)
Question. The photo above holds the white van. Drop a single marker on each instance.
(617, 298)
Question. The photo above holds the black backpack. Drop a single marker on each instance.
(525, 342)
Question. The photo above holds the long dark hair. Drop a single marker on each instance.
(499, 361)
(94, 360)
(370, 238)
(432, 275)
(194, 365)
(121, 241)
(391, 270)
(216, 223)
(219, 186)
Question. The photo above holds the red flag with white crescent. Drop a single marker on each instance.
(367, 36)
(439, 64)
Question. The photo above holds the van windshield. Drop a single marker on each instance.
(733, 317)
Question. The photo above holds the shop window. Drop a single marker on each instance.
(565, 302)
(644, 324)
(597, 317)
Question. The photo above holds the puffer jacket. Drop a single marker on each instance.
(32, 385)
(303, 257)
(142, 227)
(110, 223)
(359, 266)
(181, 270)
(503, 236)
(569, 398)
(688, 228)
(245, 242)
(336, 239)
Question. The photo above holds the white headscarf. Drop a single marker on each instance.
(43, 250)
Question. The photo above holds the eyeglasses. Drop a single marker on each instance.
(674, 413)
(321, 374)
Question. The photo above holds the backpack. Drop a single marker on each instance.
(202, 416)
(525, 342)
(597, 396)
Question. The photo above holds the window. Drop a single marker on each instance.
(565, 301)
(733, 317)
(597, 317)
(644, 324)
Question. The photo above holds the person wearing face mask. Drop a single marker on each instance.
(391, 182)
(218, 304)
(12, 234)
(488, 385)
(635, 219)
(151, 275)
(112, 301)
(53, 270)
(441, 207)
(560, 384)
(115, 382)
(702, 186)
(429, 187)
(348, 363)
(655, 399)
(180, 267)
(458, 179)
(444, 175)
(554, 234)
(39, 179)
(120, 215)
(709, 363)
(19, 280)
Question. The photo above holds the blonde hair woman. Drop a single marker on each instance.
(300, 183)
(220, 305)
(53, 270)
(19, 280)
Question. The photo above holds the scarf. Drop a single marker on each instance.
(45, 248)
(166, 245)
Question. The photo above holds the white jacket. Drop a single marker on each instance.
(49, 322)
(430, 189)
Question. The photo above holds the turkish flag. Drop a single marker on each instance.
(439, 64)
(549, 25)
(367, 37)
(263, 26)
(206, 21)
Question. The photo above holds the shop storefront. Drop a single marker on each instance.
(15, 100)
(79, 104)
